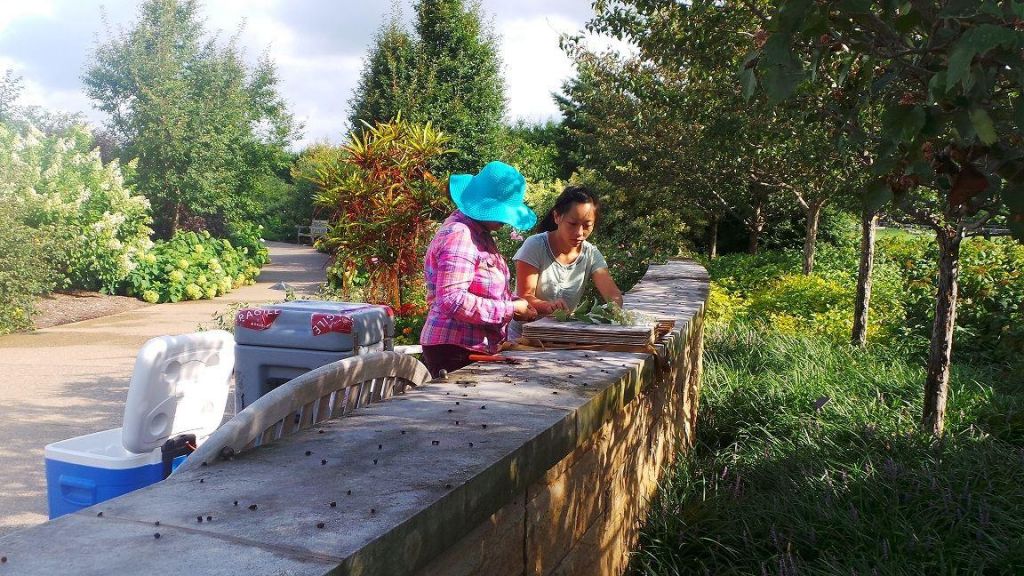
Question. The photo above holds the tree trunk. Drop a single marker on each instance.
(754, 227)
(811, 236)
(713, 238)
(867, 263)
(176, 221)
(936, 387)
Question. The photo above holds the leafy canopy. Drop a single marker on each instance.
(203, 126)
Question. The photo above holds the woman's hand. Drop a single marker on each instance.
(545, 308)
(522, 311)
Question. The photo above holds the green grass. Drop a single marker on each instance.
(776, 486)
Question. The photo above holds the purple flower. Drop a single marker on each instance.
(515, 236)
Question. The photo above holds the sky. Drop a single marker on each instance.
(318, 47)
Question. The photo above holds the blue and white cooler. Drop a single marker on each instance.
(279, 342)
(176, 399)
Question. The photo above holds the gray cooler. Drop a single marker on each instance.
(278, 342)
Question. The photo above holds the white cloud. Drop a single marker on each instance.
(13, 10)
(535, 66)
(317, 46)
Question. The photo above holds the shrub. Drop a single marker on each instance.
(741, 274)
(771, 289)
(798, 304)
(382, 202)
(25, 271)
(723, 307)
(194, 266)
(990, 314)
(282, 206)
(97, 227)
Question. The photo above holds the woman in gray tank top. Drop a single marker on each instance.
(554, 265)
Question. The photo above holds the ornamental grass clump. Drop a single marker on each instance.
(809, 460)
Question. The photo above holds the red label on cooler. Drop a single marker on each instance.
(256, 318)
(322, 324)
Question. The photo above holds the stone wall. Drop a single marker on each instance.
(543, 467)
(584, 514)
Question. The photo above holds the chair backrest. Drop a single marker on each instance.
(319, 227)
(330, 391)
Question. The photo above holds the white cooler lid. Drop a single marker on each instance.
(179, 386)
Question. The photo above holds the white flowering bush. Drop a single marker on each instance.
(97, 229)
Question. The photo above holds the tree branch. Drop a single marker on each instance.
(921, 216)
(756, 11)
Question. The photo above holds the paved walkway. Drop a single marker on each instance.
(71, 380)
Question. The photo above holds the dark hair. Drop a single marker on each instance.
(571, 195)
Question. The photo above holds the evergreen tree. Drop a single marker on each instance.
(448, 73)
(390, 81)
(466, 93)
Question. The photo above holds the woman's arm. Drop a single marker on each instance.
(606, 286)
(527, 276)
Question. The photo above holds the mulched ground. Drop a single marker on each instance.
(77, 305)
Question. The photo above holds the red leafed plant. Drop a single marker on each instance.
(382, 203)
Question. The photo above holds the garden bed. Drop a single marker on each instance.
(59, 308)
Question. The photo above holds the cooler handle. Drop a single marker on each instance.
(78, 491)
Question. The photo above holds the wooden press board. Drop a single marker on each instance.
(550, 330)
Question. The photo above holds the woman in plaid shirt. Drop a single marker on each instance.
(468, 297)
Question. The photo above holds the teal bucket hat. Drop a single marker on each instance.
(494, 195)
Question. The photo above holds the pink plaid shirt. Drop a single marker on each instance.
(468, 296)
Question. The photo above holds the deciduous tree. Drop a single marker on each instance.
(204, 127)
(948, 147)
